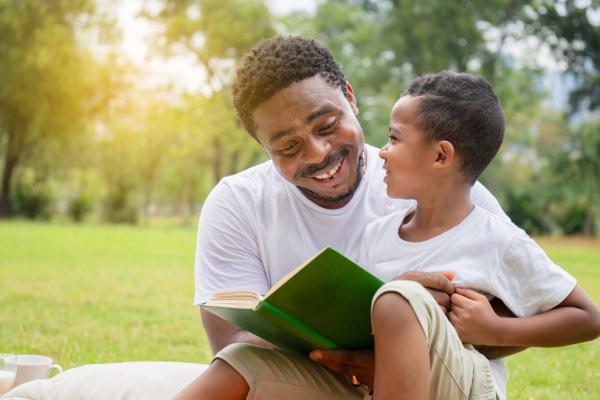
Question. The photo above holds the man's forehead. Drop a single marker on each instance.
(299, 103)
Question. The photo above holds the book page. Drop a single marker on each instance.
(241, 299)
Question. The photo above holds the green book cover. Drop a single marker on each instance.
(325, 303)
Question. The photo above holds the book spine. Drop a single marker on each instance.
(295, 327)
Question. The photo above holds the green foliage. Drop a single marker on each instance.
(51, 86)
(567, 27)
(100, 144)
(32, 201)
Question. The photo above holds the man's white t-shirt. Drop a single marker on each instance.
(255, 226)
(488, 254)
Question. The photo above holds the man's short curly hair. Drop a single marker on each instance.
(273, 64)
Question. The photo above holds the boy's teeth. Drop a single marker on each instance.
(329, 173)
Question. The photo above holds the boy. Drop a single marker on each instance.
(443, 132)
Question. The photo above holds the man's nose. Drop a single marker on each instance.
(316, 149)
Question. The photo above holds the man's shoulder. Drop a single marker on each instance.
(491, 225)
(260, 173)
(251, 181)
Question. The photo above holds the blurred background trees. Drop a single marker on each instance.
(84, 133)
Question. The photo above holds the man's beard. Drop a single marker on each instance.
(360, 171)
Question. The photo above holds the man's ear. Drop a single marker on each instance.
(444, 156)
(351, 98)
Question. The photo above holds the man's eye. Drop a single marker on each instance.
(289, 149)
(328, 127)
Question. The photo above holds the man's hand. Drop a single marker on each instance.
(437, 283)
(360, 363)
(473, 317)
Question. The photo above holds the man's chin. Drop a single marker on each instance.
(332, 199)
(314, 195)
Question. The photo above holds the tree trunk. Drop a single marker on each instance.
(11, 160)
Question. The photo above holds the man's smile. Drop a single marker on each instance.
(331, 173)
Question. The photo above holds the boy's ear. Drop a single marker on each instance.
(351, 98)
(444, 156)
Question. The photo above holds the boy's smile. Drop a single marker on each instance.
(408, 155)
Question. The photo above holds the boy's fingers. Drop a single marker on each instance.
(458, 300)
(471, 294)
(430, 280)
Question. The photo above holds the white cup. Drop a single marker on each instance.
(30, 367)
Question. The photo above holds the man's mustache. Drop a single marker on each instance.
(329, 161)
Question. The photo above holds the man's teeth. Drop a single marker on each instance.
(331, 172)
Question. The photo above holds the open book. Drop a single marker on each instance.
(324, 303)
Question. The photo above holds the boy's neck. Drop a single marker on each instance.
(435, 214)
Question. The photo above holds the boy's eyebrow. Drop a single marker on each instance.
(394, 129)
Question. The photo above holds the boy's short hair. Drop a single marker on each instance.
(464, 110)
(273, 64)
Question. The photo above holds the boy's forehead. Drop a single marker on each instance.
(405, 108)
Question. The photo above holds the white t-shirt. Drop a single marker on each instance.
(488, 254)
(255, 226)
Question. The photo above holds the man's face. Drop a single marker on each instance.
(312, 135)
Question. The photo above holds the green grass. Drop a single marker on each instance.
(92, 294)
(98, 293)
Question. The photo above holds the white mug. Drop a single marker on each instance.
(30, 367)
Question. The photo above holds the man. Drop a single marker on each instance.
(321, 187)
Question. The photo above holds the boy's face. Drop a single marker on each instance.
(409, 157)
(311, 132)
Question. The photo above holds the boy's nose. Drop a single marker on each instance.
(383, 152)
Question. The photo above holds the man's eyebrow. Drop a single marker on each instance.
(314, 115)
(278, 135)
(321, 111)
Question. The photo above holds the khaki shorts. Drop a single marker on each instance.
(458, 372)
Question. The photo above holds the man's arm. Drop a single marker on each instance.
(222, 333)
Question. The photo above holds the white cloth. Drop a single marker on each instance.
(255, 226)
(488, 254)
(148, 380)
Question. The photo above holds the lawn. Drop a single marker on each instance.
(98, 293)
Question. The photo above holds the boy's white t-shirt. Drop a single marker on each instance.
(255, 226)
(488, 254)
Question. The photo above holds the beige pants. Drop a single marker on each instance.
(458, 372)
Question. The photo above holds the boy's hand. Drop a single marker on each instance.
(473, 317)
(360, 363)
(437, 284)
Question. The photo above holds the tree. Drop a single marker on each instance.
(568, 28)
(51, 86)
(218, 33)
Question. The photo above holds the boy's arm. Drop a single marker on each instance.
(500, 351)
(576, 319)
